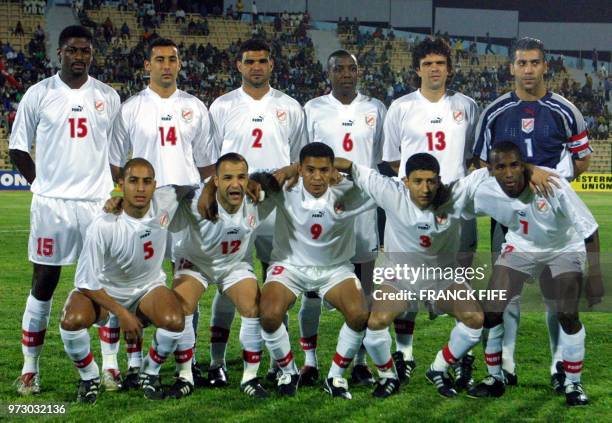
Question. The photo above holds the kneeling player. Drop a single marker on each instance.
(313, 242)
(120, 271)
(541, 232)
(214, 252)
(424, 225)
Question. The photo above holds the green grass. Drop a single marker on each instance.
(532, 400)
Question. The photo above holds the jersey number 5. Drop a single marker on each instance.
(440, 142)
(78, 127)
(148, 250)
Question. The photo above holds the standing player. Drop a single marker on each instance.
(549, 131)
(313, 243)
(440, 122)
(213, 253)
(70, 116)
(168, 127)
(267, 128)
(120, 271)
(541, 232)
(351, 124)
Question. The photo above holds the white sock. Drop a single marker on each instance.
(308, 317)
(251, 342)
(404, 329)
(349, 342)
(33, 328)
(164, 343)
(273, 364)
(493, 351)
(512, 318)
(573, 354)
(552, 321)
(76, 345)
(222, 316)
(184, 350)
(134, 353)
(109, 343)
(378, 344)
(279, 346)
(462, 339)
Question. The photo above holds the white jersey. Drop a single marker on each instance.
(444, 129)
(175, 134)
(217, 247)
(354, 131)
(122, 254)
(412, 230)
(313, 231)
(71, 129)
(535, 223)
(269, 133)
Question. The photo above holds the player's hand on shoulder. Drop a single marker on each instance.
(541, 181)
(254, 191)
(336, 177)
(342, 164)
(207, 203)
(287, 176)
(113, 205)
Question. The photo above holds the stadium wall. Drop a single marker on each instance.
(477, 22)
(569, 36)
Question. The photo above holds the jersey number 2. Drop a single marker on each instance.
(257, 133)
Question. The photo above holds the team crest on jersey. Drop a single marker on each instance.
(99, 105)
(458, 116)
(187, 115)
(251, 221)
(527, 125)
(281, 115)
(164, 220)
(370, 120)
(542, 205)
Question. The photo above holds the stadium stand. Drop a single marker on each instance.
(209, 42)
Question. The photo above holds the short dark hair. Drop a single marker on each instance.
(230, 157)
(528, 43)
(158, 42)
(74, 31)
(506, 147)
(422, 161)
(338, 54)
(432, 46)
(316, 149)
(253, 45)
(137, 161)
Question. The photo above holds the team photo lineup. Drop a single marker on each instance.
(327, 205)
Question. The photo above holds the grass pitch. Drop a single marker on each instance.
(532, 400)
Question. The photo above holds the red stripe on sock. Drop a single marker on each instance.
(156, 357)
(84, 362)
(251, 357)
(448, 355)
(493, 359)
(183, 356)
(404, 327)
(285, 361)
(33, 339)
(572, 366)
(340, 361)
(309, 343)
(388, 365)
(108, 335)
(219, 335)
(134, 348)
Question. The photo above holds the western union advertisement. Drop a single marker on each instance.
(593, 182)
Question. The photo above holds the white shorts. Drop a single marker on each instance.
(366, 237)
(299, 279)
(239, 272)
(532, 264)
(58, 228)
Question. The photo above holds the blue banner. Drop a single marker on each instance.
(11, 180)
